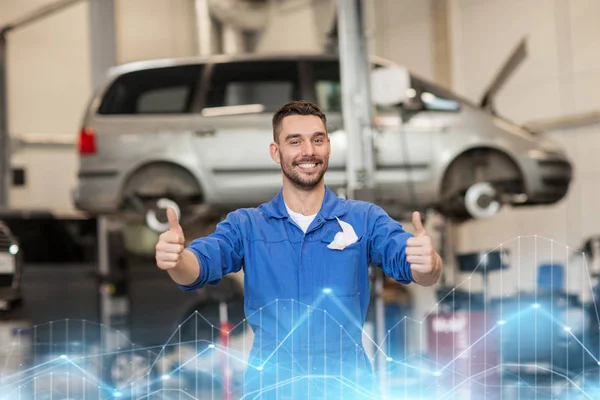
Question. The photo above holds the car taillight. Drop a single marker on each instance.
(87, 141)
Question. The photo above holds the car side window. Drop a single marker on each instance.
(328, 87)
(167, 90)
(263, 85)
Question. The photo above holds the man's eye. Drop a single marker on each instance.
(319, 140)
(294, 142)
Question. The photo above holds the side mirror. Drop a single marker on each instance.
(389, 85)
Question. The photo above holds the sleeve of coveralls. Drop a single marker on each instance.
(218, 254)
(387, 244)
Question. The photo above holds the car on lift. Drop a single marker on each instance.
(197, 131)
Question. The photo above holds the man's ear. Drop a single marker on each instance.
(274, 150)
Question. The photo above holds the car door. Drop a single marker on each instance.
(233, 129)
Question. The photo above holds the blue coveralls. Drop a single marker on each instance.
(305, 302)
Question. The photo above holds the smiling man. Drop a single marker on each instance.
(305, 256)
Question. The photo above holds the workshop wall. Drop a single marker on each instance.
(147, 29)
(296, 26)
(48, 88)
(555, 80)
(403, 32)
(48, 70)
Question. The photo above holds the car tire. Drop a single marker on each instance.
(152, 182)
(475, 183)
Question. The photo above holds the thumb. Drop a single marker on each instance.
(173, 222)
(417, 224)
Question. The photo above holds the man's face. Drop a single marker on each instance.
(303, 150)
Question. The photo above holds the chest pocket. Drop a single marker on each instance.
(339, 268)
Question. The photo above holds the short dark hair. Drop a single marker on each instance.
(299, 107)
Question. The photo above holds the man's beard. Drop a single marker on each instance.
(290, 170)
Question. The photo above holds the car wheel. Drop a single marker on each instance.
(476, 185)
(153, 182)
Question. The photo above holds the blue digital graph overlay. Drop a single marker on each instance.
(533, 331)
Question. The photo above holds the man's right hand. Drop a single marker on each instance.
(170, 244)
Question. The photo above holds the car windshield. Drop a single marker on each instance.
(440, 97)
(437, 95)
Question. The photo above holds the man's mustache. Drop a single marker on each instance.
(309, 161)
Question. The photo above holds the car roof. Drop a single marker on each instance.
(224, 58)
(141, 65)
(116, 71)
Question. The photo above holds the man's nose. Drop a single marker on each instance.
(308, 148)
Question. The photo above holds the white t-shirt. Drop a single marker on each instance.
(303, 221)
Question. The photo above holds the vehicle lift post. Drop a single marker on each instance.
(114, 304)
(358, 117)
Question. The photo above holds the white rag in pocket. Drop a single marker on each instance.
(344, 238)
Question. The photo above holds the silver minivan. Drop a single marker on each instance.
(197, 131)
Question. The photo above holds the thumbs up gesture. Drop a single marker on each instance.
(170, 243)
(423, 259)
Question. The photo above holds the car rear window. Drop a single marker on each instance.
(167, 90)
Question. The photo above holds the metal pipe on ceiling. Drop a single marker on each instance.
(243, 15)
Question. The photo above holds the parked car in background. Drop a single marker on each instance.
(197, 131)
(11, 269)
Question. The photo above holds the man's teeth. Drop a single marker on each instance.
(307, 166)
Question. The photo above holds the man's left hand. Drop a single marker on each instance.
(424, 261)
